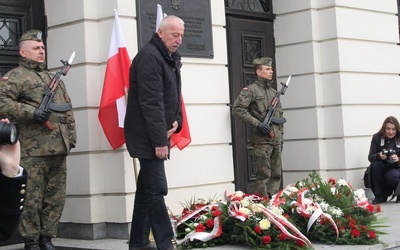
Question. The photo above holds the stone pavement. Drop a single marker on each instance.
(390, 240)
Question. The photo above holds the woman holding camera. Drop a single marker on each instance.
(384, 155)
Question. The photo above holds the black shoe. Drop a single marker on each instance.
(45, 243)
(398, 199)
(150, 246)
(379, 200)
(31, 244)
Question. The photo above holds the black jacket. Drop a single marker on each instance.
(154, 99)
(378, 143)
(12, 195)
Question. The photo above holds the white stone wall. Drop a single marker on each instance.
(101, 182)
(343, 57)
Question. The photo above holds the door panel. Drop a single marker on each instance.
(247, 39)
(17, 16)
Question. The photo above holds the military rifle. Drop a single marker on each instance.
(48, 95)
(273, 106)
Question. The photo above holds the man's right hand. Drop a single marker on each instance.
(264, 127)
(41, 115)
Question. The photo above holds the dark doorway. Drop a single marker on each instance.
(250, 35)
(17, 16)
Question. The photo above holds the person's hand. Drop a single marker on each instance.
(382, 156)
(41, 115)
(10, 156)
(264, 127)
(173, 129)
(394, 158)
(161, 152)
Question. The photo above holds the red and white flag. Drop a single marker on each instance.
(116, 84)
(183, 138)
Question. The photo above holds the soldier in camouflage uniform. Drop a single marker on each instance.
(251, 106)
(43, 151)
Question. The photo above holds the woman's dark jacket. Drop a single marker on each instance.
(378, 143)
(154, 99)
(12, 195)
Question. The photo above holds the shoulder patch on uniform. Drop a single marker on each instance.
(245, 89)
(4, 78)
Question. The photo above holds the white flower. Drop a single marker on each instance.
(203, 217)
(342, 182)
(195, 224)
(201, 201)
(335, 211)
(293, 189)
(188, 230)
(245, 202)
(244, 210)
(256, 208)
(239, 194)
(276, 210)
(359, 193)
(324, 206)
(265, 224)
(333, 190)
(300, 183)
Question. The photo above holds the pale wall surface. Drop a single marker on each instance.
(344, 64)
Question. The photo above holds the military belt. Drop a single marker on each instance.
(58, 119)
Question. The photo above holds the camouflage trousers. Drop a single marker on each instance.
(267, 160)
(45, 195)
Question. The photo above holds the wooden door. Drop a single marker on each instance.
(249, 36)
(17, 16)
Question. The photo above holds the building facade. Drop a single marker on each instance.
(343, 58)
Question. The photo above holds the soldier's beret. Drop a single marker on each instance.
(263, 61)
(35, 35)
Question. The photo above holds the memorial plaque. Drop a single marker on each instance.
(197, 40)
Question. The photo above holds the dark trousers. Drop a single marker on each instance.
(149, 207)
(384, 179)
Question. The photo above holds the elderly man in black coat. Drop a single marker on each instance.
(153, 114)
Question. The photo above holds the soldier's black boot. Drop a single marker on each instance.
(45, 243)
(31, 244)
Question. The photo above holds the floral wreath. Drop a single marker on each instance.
(312, 210)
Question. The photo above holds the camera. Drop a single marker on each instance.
(9, 133)
(388, 153)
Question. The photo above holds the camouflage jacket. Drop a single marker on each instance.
(21, 91)
(251, 107)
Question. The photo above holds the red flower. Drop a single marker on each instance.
(282, 236)
(352, 223)
(322, 221)
(235, 198)
(216, 212)
(300, 243)
(363, 227)
(210, 223)
(371, 234)
(266, 239)
(370, 208)
(378, 208)
(332, 181)
(257, 229)
(355, 232)
(342, 229)
(200, 228)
